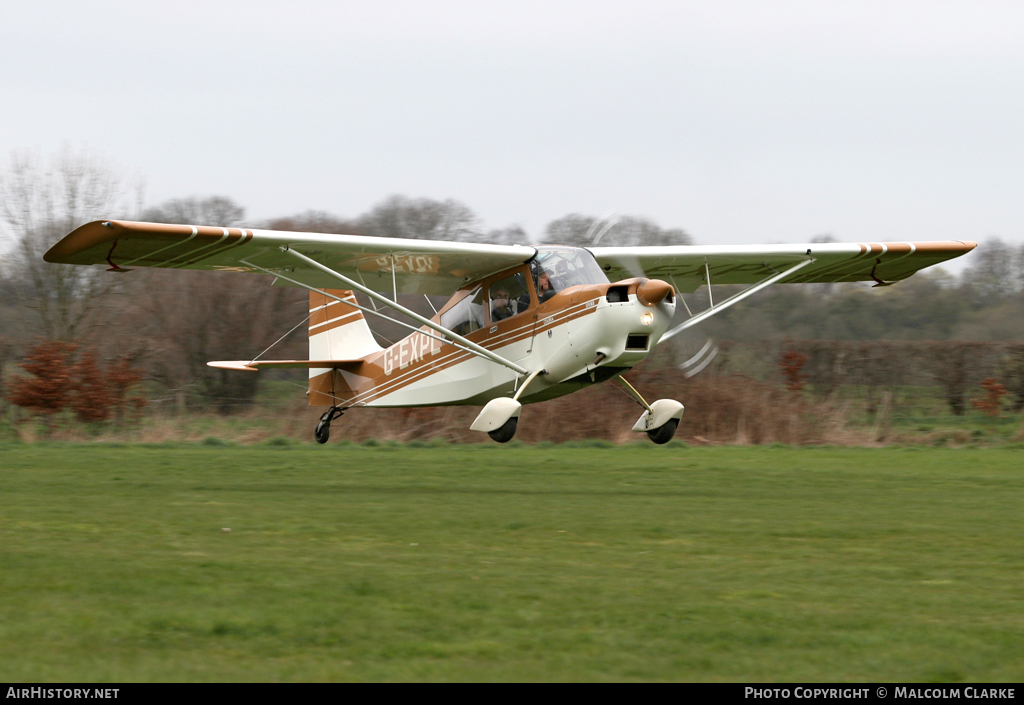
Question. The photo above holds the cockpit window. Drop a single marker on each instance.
(558, 268)
(509, 297)
(467, 315)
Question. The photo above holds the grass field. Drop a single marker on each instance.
(510, 563)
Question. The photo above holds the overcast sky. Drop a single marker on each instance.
(741, 122)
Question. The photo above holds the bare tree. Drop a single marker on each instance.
(39, 204)
(573, 229)
(316, 222)
(625, 231)
(993, 272)
(186, 318)
(512, 235)
(421, 219)
(1018, 265)
(214, 210)
(413, 218)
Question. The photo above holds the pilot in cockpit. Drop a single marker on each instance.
(544, 288)
(501, 306)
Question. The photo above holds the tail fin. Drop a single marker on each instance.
(338, 331)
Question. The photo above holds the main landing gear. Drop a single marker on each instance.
(500, 416)
(322, 432)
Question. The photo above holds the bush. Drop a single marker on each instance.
(93, 392)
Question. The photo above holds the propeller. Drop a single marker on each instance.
(696, 364)
(601, 227)
(610, 220)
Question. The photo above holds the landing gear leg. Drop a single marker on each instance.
(322, 432)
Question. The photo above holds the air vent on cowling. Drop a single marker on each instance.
(637, 342)
(618, 294)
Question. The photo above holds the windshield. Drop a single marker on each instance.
(564, 267)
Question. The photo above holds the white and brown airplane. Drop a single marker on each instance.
(523, 324)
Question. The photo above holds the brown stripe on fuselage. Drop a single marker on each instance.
(448, 355)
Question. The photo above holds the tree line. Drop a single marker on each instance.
(168, 324)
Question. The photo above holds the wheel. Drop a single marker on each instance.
(322, 432)
(664, 433)
(504, 433)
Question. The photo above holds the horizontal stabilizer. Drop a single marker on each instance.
(258, 364)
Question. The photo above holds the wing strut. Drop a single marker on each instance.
(707, 278)
(735, 298)
(468, 344)
(374, 312)
(371, 311)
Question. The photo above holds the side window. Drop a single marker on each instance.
(508, 297)
(467, 315)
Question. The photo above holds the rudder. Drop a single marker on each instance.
(338, 331)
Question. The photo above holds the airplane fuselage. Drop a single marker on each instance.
(579, 336)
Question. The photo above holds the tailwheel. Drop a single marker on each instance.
(504, 433)
(322, 432)
(663, 434)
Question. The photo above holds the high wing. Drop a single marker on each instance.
(689, 266)
(383, 264)
(440, 267)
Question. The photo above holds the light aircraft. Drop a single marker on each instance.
(522, 324)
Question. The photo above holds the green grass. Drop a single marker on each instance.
(439, 562)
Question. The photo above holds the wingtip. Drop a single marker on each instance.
(96, 233)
